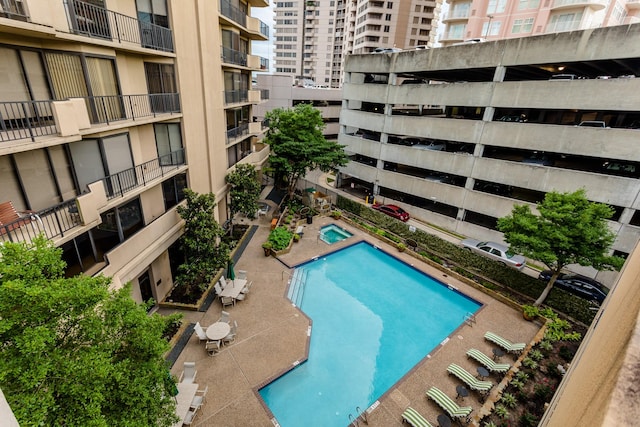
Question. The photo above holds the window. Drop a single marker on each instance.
(169, 143)
(389, 5)
(24, 77)
(528, 4)
(118, 224)
(456, 31)
(161, 80)
(496, 6)
(153, 11)
(522, 26)
(564, 22)
(387, 17)
(386, 29)
(173, 190)
(493, 31)
(619, 14)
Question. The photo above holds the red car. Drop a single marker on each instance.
(392, 210)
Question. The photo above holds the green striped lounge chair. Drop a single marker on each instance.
(414, 418)
(472, 382)
(487, 362)
(507, 345)
(448, 405)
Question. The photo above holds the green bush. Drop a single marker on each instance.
(280, 238)
(509, 400)
(528, 420)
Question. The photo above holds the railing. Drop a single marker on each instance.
(14, 9)
(238, 131)
(53, 222)
(553, 27)
(264, 94)
(122, 182)
(26, 119)
(264, 63)
(234, 96)
(233, 13)
(231, 56)
(264, 29)
(107, 109)
(462, 13)
(94, 21)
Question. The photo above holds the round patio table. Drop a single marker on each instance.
(218, 330)
(482, 372)
(444, 421)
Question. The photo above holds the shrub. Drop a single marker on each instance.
(542, 392)
(522, 376)
(489, 424)
(546, 345)
(536, 355)
(280, 238)
(566, 353)
(509, 400)
(501, 411)
(517, 384)
(530, 363)
(528, 420)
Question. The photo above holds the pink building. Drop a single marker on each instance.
(503, 19)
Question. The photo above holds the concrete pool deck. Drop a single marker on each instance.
(272, 337)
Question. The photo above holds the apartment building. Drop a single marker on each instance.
(313, 37)
(503, 19)
(283, 93)
(458, 135)
(108, 111)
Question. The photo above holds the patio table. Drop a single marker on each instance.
(218, 330)
(186, 393)
(233, 288)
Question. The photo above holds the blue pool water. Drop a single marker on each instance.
(332, 233)
(374, 318)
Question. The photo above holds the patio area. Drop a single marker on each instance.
(273, 337)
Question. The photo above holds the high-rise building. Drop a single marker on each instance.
(458, 135)
(108, 114)
(313, 37)
(503, 19)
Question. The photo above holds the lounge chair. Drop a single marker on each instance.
(487, 362)
(508, 346)
(198, 399)
(200, 332)
(448, 405)
(414, 418)
(191, 414)
(472, 382)
(189, 372)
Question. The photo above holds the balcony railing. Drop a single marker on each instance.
(237, 132)
(112, 108)
(264, 94)
(26, 119)
(233, 13)
(14, 9)
(231, 56)
(558, 26)
(53, 222)
(264, 29)
(123, 182)
(94, 21)
(264, 63)
(234, 96)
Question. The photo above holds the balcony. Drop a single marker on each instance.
(230, 56)
(237, 132)
(573, 4)
(109, 109)
(93, 21)
(554, 27)
(235, 96)
(457, 15)
(235, 14)
(14, 9)
(26, 119)
(63, 219)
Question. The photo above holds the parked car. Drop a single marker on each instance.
(386, 50)
(593, 124)
(579, 285)
(495, 251)
(392, 210)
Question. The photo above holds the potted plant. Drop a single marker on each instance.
(401, 247)
(530, 312)
(336, 214)
(296, 238)
(267, 246)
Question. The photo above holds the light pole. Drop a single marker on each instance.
(486, 33)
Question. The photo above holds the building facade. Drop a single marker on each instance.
(108, 111)
(313, 37)
(458, 135)
(503, 19)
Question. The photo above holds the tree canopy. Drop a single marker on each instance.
(204, 251)
(244, 192)
(298, 145)
(568, 229)
(75, 353)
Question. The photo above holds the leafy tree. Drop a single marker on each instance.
(298, 145)
(204, 251)
(244, 193)
(73, 352)
(569, 229)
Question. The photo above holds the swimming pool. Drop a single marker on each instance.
(374, 318)
(331, 234)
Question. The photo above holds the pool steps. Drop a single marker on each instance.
(296, 286)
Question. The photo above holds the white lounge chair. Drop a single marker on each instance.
(188, 374)
(200, 332)
(188, 419)
(198, 399)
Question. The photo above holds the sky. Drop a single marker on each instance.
(264, 49)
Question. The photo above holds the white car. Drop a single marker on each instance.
(495, 251)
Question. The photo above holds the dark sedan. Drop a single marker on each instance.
(579, 285)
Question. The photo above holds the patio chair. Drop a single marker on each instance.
(226, 301)
(213, 347)
(218, 288)
(472, 382)
(448, 405)
(414, 418)
(508, 346)
(198, 399)
(200, 332)
(241, 274)
(191, 415)
(224, 317)
(10, 218)
(222, 282)
(188, 374)
(231, 337)
(246, 288)
(487, 362)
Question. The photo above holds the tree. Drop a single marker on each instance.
(298, 145)
(244, 193)
(569, 229)
(204, 251)
(75, 353)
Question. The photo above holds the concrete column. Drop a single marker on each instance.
(498, 76)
